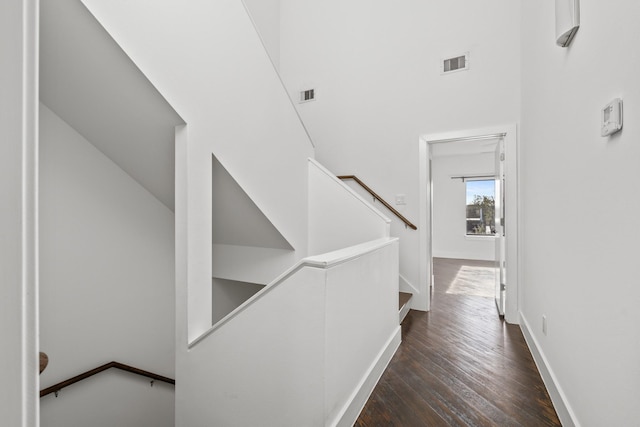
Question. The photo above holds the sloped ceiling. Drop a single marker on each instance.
(236, 219)
(87, 80)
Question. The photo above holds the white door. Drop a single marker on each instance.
(500, 228)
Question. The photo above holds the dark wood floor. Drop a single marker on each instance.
(459, 365)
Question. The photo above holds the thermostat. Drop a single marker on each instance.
(611, 117)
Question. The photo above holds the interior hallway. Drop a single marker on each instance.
(460, 365)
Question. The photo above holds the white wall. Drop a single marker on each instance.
(397, 226)
(81, 66)
(307, 350)
(266, 17)
(107, 281)
(579, 192)
(250, 264)
(338, 217)
(112, 398)
(277, 335)
(449, 207)
(228, 295)
(207, 60)
(361, 329)
(218, 76)
(247, 247)
(375, 65)
(18, 213)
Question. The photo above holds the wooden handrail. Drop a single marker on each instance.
(57, 387)
(380, 199)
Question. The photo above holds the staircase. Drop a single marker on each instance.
(340, 270)
(404, 299)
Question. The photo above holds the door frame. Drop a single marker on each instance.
(512, 202)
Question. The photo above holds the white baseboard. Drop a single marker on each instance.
(405, 310)
(358, 399)
(559, 399)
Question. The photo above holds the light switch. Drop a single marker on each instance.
(400, 199)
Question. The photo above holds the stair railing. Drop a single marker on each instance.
(154, 377)
(375, 196)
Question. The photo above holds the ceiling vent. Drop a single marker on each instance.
(307, 95)
(457, 63)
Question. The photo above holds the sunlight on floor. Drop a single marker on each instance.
(474, 281)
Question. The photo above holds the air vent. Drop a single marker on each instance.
(457, 63)
(307, 95)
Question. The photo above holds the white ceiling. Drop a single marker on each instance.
(462, 148)
(87, 80)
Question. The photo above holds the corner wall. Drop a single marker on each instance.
(107, 285)
(580, 209)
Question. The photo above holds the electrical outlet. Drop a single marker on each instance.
(544, 324)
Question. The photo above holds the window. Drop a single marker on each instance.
(480, 207)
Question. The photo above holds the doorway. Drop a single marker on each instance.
(500, 143)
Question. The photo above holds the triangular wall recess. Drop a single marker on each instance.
(236, 218)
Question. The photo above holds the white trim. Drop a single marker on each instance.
(404, 311)
(558, 397)
(323, 261)
(351, 410)
(509, 133)
(512, 222)
(423, 298)
(29, 276)
(483, 137)
(478, 134)
(181, 233)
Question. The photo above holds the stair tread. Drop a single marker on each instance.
(403, 298)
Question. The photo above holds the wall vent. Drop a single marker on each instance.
(457, 63)
(307, 95)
